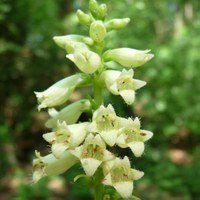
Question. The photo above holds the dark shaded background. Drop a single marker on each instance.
(169, 105)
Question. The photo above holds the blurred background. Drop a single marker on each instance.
(169, 105)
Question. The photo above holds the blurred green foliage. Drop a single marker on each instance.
(168, 105)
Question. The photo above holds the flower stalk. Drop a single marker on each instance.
(90, 142)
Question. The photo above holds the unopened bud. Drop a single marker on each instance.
(97, 31)
(116, 24)
(84, 18)
(94, 8)
(102, 11)
(98, 11)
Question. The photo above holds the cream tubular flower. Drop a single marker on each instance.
(70, 114)
(106, 123)
(122, 83)
(128, 57)
(87, 61)
(121, 176)
(92, 153)
(72, 42)
(133, 137)
(49, 165)
(66, 136)
(59, 92)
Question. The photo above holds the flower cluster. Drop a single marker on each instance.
(90, 142)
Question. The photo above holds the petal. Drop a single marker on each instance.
(109, 137)
(78, 133)
(113, 88)
(121, 141)
(137, 148)
(70, 57)
(125, 189)
(107, 155)
(58, 149)
(146, 134)
(107, 180)
(126, 161)
(137, 174)
(52, 112)
(108, 165)
(138, 84)
(128, 96)
(49, 137)
(136, 123)
(90, 165)
(77, 151)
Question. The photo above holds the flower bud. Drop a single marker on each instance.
(72, 42)
(98, 11)
(49, 165)
(83, 18)
(128, 57)
(59, 92)
(97, 31)
(102, 11)
(87, 61)
(116, 24)
(94, 8)
(69, 114)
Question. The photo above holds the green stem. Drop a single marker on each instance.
(97, 185)
(98, 98)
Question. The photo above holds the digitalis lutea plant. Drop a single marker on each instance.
(89, 142)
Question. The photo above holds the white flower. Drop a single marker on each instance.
(133, 137)
(72, 42)
(92, 153)
(122, 83)
(49, 165)
(66, 136)
(120, 175)
(59, 92)
(70, 114)
(128, 57)
(106, 123)
(87, 61)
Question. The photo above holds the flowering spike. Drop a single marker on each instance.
(91, 142)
